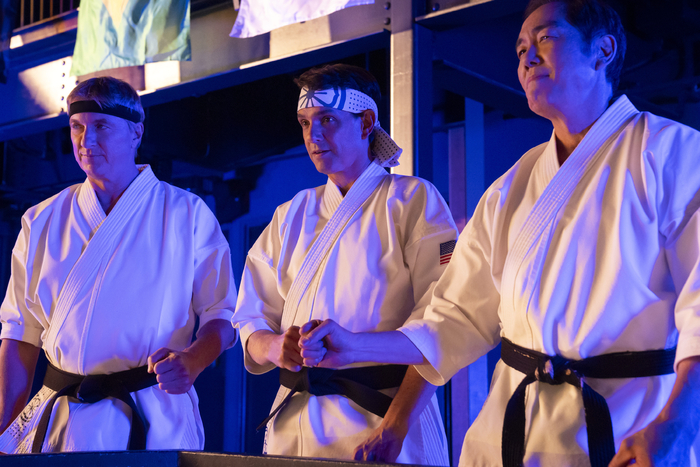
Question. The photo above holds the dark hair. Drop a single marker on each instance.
(341, 75)
(107, 92)
(593, 18)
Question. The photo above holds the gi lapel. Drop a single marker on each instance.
(109, 229)
(363, 187)
(559, 190)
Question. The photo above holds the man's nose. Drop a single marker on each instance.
(88, 138)
(315, 132)
(531, 56)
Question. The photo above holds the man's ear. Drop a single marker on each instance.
(605, 49)
(138, 134)
(369, 119)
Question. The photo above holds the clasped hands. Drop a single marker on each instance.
(317, 343)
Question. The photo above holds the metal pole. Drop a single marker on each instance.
(401, 81)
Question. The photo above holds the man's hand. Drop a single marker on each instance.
(659, 443)
(313, 353)
(176, 371)
(337, 340)
(284, 350)
(667, 439)
(383, 445)
(343, 347)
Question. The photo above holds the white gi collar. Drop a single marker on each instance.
(90, 205)
(332, 195)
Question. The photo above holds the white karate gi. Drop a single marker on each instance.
(101, 293)
(373, 278)
(613, 268)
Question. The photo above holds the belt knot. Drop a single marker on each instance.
(360, 385)
(548, 369)
(92, 389)
(556, 370)
(310, 381)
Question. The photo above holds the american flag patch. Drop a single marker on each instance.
(446, 250)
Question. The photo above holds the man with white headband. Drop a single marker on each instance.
(365, 250)
(108, 277)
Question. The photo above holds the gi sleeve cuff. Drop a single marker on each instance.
(247, 328)
(688, 346)
(428, 371)
(21, 333)
(224, 314)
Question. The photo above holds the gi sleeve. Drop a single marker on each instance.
(214, 291)
(260, 303)
(18, 320)
(678, 147)
(430, 245)
(461, 322)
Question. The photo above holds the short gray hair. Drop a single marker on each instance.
(107, 92)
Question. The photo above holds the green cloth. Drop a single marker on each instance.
(118, 33)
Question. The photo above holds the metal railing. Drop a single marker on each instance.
(35, 11)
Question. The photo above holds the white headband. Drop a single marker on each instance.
(385, 149)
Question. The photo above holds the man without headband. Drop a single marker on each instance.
(363, 250)
(123, 276)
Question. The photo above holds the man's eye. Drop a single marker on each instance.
(327, 119)
(543, 38)
(521, 52)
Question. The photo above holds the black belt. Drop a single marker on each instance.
(357, 384)
(558, 370)
(94, 388)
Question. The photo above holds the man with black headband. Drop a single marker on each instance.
(365, 250)
(583, 261)
(108, 277)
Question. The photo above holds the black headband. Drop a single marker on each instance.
(118, 110)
